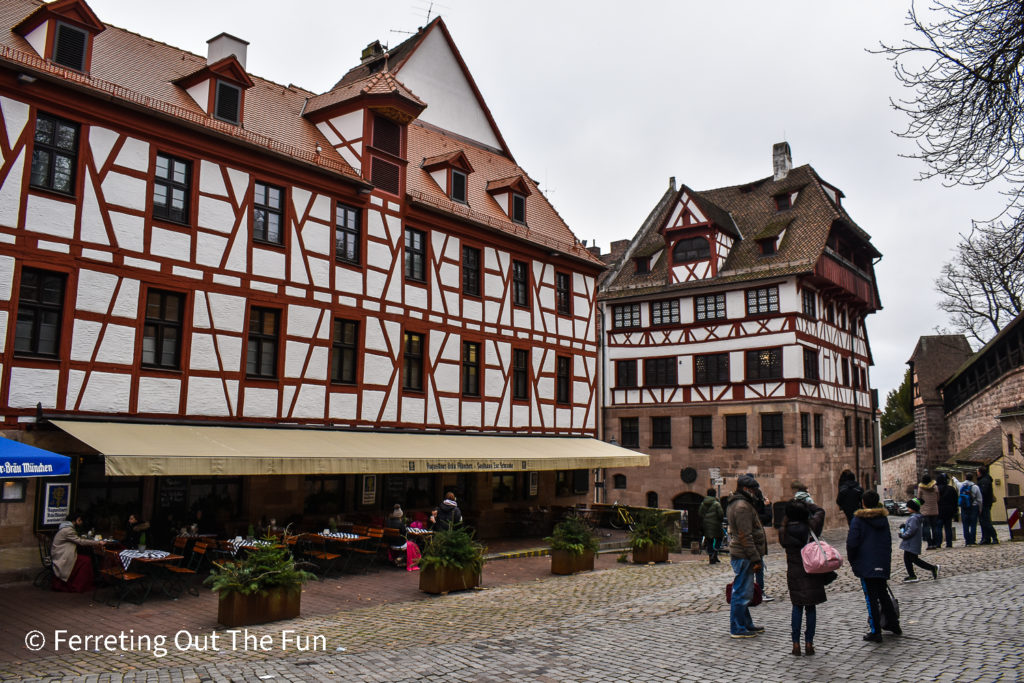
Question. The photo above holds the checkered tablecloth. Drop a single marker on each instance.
(419, 532)
(128, 555)
(237, 543)
(343, 535)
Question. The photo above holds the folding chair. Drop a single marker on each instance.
(125, 583)
(314, 548)
(181, 577)
(393, 546)
(45, 575)
(364, 553)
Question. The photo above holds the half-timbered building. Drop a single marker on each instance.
(734, 340)
(225, 293)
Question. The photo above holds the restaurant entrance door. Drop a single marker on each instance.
(688, 503)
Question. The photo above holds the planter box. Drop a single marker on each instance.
(235, 609)
(445, 580)
(566, 562)
(652, 553)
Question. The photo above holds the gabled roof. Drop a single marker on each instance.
(516, 183)
(984, 450)
(378, 85)
(456, 159)
(74, 11)
(751, 208)
(716, 214)
(229, 69)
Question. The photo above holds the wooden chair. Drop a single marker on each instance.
(391, 546)
(124, 582)
(314, 549)
(363, 554)
(45, 574)
(181, 576)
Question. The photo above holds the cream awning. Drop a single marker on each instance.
(133, 450)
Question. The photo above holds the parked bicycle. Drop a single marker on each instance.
(621, 517)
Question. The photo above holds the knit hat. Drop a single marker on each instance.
(747, 481)
(914, 504)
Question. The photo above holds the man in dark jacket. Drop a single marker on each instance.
(988, 497)
(869, 549)
(747, 547)
(711, 515)
(850, 494)
(947, 508)
(448, 513)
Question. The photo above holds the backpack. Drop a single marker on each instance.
(965, 500)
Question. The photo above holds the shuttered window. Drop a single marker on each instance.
(69, 47)
(384, 175)
(387, 135)
(229, 102)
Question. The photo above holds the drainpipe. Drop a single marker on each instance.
(857, 433)
(599, 473)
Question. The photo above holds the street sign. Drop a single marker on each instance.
(718, 481)
(716, 473)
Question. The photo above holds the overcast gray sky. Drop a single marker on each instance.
(601, 102)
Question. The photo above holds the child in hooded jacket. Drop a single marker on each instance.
(910, 532)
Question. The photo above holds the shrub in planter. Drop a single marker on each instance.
(573, 546)
(650, 539)
(265, 585)
(452, 560)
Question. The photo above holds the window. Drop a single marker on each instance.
(40, 308)
(762, 300)
(771, 430)
(171, 180)
(710, 307)
(387, 136)
(782, 202)
(818, 435)
(228, 105)
(768, 246)
(711, 369)
(625, 373)
(810, 364)
(458, 186)
(503, 487)
(626, 315)
(660, 372)
(652, 499)
(518, 208)
(267, 214)
(521, 375)
(415, 255)
(629, 432)
(69, 46)
(470, 271)
(161, 336)
(562, 379)
(764, 364)
(809, 304)
(805, 430)
(563, 293)
(661, 432)
(830, 313)
(520, 284)
(344, 351)
(847, 436)
(347, 233)
(692, 249)
(470, 369)
(665, 312)
(412, 362)
(846, 372)
(384, 175)
(619, 481)
(735, 431)
(55, 154)
(571, 482)
(261, 354)
(701, 427)
(643, 265)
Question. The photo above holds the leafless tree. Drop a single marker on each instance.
(966, 68)
(983, 286)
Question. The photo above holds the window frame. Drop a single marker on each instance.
(805, 430)
(629, 438)
(809, 304)
(59, 28)
(166, 211)
(415, 255)
(661, 431)
(658, 314)
(471, 282)
(702, 302)
(732, 431)
(520, 375)
(563, 293)
(517, 208)
(811, 365)
(626, 374)
(345, 235)
(520, 284)
(471, 369)
(39, 307)
(753, 370)
(263, 340)
(53, 151)
(563, 380)
(701, 431)
(159, 325)
(412, 360)
(662, 371)
(711, 375)
(847, 436)
(819, 441)
(220, 83)
(765, 300)
(341, 351)
(464, 199)
(622, 321)
(268, 210)
(691, 254)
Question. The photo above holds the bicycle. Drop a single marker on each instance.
(621, 518)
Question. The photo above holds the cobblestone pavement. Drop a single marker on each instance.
(653, 623)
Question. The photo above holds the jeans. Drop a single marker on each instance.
(935, 522)
(969, 518)
(947, 524)
(742, 594)
(910, 559)
(988, 532)
(711, 545)
(759, 576)
(876, 595)
(812, 619)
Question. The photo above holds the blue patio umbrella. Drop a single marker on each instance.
(21, 460)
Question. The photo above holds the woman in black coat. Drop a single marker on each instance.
(805, 590)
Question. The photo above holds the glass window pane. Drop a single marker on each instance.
(44, 130)
(66, 136)
(40, 167)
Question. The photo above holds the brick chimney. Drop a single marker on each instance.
(782, 160)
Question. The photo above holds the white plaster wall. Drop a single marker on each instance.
(294, 358)
(415, 296)
(377, 369)
(158, 394)
(230, 349)
(106, 392)
(37, 39)
(202, 355)
(450, 411)
(49, 216)
(317, 238)
(118, 345)
(413, 410)
(128, 230)
(127, 303)
(260, 402)
(200, 92)
(15, 116)
(209, 249)
(310, 402)
(267, 263)
(101, 141)
(83, 339)
(124, 190)
(95, 290)
(343, 406)
(371, 403)
(206, 397)
(134, 154)
(3, 336)
(10, 192)
(302, 321)
(30, 386)
(228, 312)
(6, 277)
(170, 244)
(350, 281)
(789, 297)
(446, 377)
(216, 214)
(471, 414)
(735, 304)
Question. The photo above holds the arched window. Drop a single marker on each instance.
(652, 499)
(619, 481)
(692, 249)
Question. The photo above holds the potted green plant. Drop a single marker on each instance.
(265, 585)
(452, 560)
(650, 538)
(573, 546)
(142, 541)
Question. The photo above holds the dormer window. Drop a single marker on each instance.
(459, 181)
(768, 246)
(518, 208)
(228, 106)
(69, 46)
(692, 249)
(451, 173)
(510, 194)
(782, 202)
(643, 264)
(62, 32)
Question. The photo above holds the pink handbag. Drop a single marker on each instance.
(819, 557)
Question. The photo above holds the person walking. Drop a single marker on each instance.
(869, 550)
(969, 500)
(747, 547)
(911, 532)
(800, 492)
(947, 508)
(850, 492)
(928, 494)
(711, 516)
(806, 591)
(988, 497)
(763, 506)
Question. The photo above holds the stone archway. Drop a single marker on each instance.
(687, 504)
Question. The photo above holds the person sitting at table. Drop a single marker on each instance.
(72, 571)
(132, 529)
(396, 520)
(432, 520)
(449, 515)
